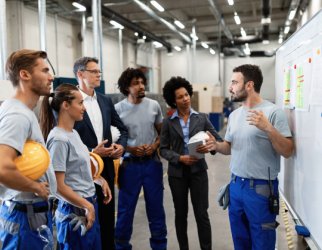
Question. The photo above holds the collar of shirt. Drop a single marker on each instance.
(86, 96)
(175, 114)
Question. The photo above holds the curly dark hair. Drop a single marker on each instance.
(251, 73)
(171, 86)
(126, 77)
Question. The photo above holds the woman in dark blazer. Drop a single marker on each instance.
(186, 173)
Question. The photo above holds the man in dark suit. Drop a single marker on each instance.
(95, 133)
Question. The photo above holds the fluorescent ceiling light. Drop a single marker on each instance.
(288, 22)
(292, 14)
(243, 32)
(203, 44)
(212, 51)
(177, 48)
(265, 42)
(79, 6)
(237, 19)
(280, 40)
(179, 24)
(193, 36)
(230, 2)
(266, 20)
(157, 44)
(286, 29)
(157, 6)
(116, 24)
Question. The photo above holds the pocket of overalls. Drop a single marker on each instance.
(37, 220)
(262, 190)
(9, 234)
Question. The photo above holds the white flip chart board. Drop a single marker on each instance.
(298, 79)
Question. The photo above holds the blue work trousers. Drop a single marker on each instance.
(67, 239)
(16, 233)
(252, 224)
(132, 176)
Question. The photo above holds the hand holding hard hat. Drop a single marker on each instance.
(34, 160)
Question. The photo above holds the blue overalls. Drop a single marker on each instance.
(134, 173)
(17, 232)
(69, 239)
(252, 224)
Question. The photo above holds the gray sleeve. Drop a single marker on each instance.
(228, 135)
(59, 154)
(14, 131)
(159, 117)
(279, 121)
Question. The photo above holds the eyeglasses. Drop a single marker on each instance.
(93, 71)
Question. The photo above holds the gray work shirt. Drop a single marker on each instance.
(140, 120)
(70, 155)
(18, 124)
(251, 150)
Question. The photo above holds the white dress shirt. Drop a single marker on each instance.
(94, 112)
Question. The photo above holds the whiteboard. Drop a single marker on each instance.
(298, 80)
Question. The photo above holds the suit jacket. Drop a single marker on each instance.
(109, 117)
(172, 144)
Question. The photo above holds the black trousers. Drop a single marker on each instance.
(197, 184)
(106, 215)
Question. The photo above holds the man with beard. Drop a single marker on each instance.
(24, 209)
(141, 165)
(257, 135)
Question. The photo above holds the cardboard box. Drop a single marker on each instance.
(217, 104)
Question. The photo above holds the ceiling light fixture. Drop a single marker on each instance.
(265, 42)
(292, 14)
(193, 36)
(157, 6)
(177, 48)
(266, 20)
(136, 34)
(286, 29)
(247, 49)
(116, 25)
(243, 32)
(230, 2)
(80, 7)
(179, 24)
(203, 44)
(157, 44)
(237, 19)
(212, 51)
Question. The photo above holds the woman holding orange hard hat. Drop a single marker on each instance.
(76, 215)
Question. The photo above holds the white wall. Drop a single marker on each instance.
(205, 70)
(267, 65)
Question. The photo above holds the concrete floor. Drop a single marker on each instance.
(218, 174)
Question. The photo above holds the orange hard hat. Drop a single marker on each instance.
(34, 160)
(97, 165)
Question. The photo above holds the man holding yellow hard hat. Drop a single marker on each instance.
(24, 189)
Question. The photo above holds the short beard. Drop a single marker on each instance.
(240, 98)
(141, 96)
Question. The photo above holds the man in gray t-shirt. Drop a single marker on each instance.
(141, 165)
(257, 135)
(24, 206)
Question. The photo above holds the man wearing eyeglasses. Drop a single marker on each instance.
(95, 133)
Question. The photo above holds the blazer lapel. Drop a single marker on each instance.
(88, 122)
(194, 121)
(102, 108)
(177, 127)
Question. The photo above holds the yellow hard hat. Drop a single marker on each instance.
(34, 160)
(97, 165)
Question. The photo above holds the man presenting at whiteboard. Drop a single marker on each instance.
(257, 135)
